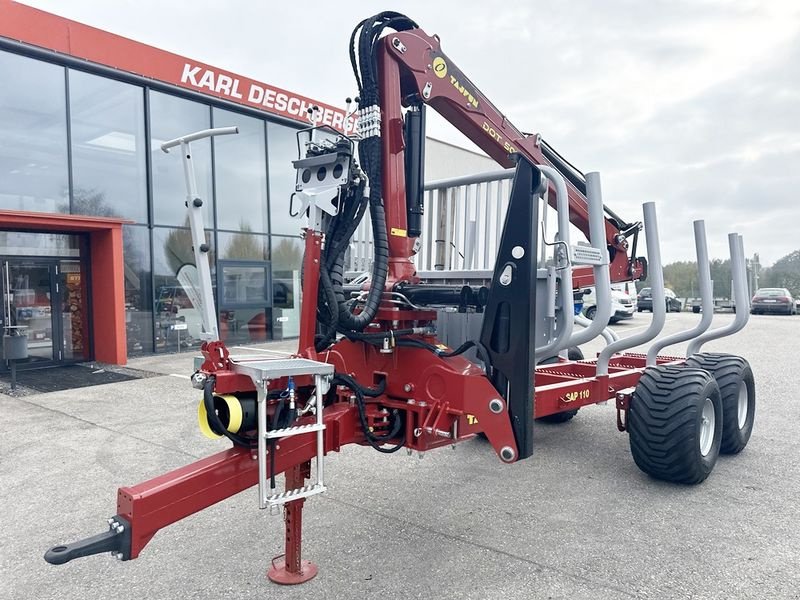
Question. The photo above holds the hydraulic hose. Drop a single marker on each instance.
(363, 48)
(331, 293)
(374, 440)
(216, 422)
(380, 265)
(339, 237)
(329, 298)
(369, 152)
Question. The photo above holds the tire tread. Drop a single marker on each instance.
(662, 423)
(729, 370)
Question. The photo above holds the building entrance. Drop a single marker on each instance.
(46, 299)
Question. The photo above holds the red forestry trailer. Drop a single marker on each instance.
(370, 369)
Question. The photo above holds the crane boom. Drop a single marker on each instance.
(414, 70)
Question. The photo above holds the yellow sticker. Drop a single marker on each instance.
(399, 232)
(440, 67)
(472, 420)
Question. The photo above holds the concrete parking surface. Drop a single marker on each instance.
(577, 520)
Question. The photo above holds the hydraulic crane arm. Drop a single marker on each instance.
(414, 71)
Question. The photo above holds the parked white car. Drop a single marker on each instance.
(623, 305)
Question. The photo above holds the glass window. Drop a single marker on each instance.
(244, 325)
(172, 117)
(176, 289)
(25, 243)
(29, 294)
(244, 283)
(287, 261)
(138, 300)
(240, 174)
(282, 151)
(33, 136)
(108, 150)
(243, 246)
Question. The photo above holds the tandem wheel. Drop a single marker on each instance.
(675, 423)
(738, 390)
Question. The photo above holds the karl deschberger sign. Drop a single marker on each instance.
(274, 100)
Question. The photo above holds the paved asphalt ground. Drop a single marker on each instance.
(577, 520)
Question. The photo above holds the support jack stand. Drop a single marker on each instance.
(290, 569)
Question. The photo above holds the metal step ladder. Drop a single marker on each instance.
(262, 371)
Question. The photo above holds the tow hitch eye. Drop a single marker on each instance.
(117, 541)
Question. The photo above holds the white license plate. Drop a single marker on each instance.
(770, 300)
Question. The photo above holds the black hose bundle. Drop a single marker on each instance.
(331, 295)
(364, 63)
(373, 439)
(335, 311)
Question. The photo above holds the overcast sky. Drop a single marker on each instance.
(694, 104)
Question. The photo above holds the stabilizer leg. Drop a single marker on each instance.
(291, 569)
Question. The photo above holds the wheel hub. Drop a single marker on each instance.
(707, 426)
(741, 411)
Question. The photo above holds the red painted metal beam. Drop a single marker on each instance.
(308, 308)
(571, 385)
(168, 498)
(394, 179)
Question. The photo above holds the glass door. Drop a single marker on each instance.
(72, 319)
(47, 299)
(28, 291)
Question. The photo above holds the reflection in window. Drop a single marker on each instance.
(244, 284)
(73, 294)
(287, 260)
(108, 151)
(241, 174)
(244, 313)
(26, 243)
(244, 325)
(172, 117)
(243, 246)
(282, 142)
(138, 303)
(33, 136)
(176, 289)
